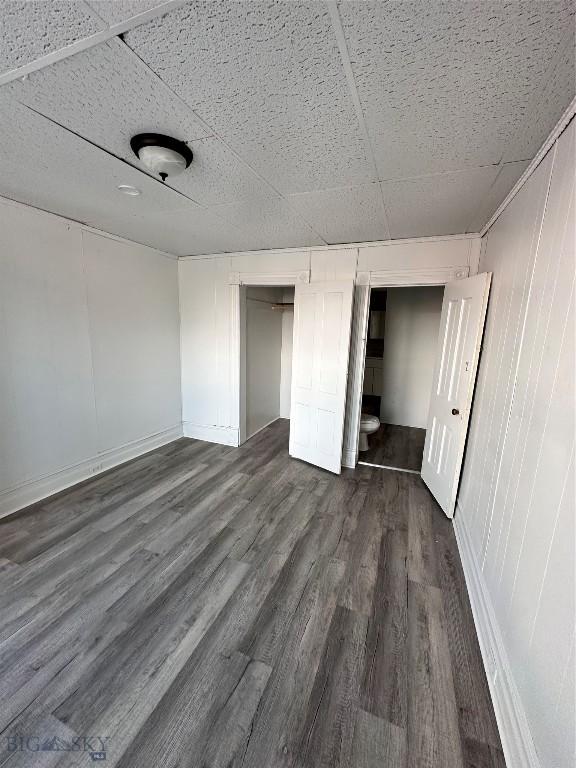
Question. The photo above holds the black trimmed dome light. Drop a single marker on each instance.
(162, 155)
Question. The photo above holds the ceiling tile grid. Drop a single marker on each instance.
(267, 77)
(443, 84)
(443, 204)
(545, 107)
(456, 97)
(344, 215)
(52, 169)
(115, 11)
(106, 95)
(30, 29)
(508, 175)
(262, 222)
(189, 231)
(217, 176)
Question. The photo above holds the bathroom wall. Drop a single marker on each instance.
(411, 332)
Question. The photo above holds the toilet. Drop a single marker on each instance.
(368, 425)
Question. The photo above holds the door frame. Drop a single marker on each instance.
(365, 281)
(236, 282)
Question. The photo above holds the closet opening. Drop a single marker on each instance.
(266, 331)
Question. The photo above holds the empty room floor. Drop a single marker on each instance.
(211, 606)
(396, 446)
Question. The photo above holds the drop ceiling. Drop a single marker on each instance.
(310, 122)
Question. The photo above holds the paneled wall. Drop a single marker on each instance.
(208, 315)
(89, 353)
(516, 507)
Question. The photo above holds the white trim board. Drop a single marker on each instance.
(515, 735)
(39, 489)
(278, 279)
(365, 281)
(386, 466)
(390, 278)
(335, 247)
(349, 458)
(211, 434)
(536, 160)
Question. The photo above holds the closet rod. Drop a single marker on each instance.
(273, 304)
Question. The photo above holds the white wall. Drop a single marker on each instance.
(411, 332)
(263, 358)
(516, 512)
(89, 353)
(209, 317)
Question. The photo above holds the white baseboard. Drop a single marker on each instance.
(211, 434)
(349, 458)
(272, 421)
(20, 496)
(515, 734)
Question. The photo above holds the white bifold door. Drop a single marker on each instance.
(322, 316)
(459, 340)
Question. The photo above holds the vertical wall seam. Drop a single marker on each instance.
(539, 455)
(496, 483)
(90, 342)
(551, 544)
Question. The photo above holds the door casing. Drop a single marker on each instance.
(365, 281)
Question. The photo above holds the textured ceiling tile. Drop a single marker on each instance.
(84, 92)
(507, 177)
(544, 108)
(30, 29)
(115, 11)
(265, 224)
(444, 85)
(346, 215)
(190, 231)
(106, 95)
(267, 77)
(217, 176)
(50, 168)
(442, 204)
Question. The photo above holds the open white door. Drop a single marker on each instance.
(322, 315)
(459, 340)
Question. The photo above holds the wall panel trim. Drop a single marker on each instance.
(536, 160)
(211, 434)
(515, 734)
(32, 491)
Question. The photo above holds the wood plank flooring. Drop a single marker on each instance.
(212, 607)
(396, 446)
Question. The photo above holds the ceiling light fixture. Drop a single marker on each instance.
(128, 189)
(162, 155)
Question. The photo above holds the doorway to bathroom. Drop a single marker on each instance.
(267, 322)
(401, 343)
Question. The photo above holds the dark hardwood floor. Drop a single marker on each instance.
(396, 446)
(214, 607)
